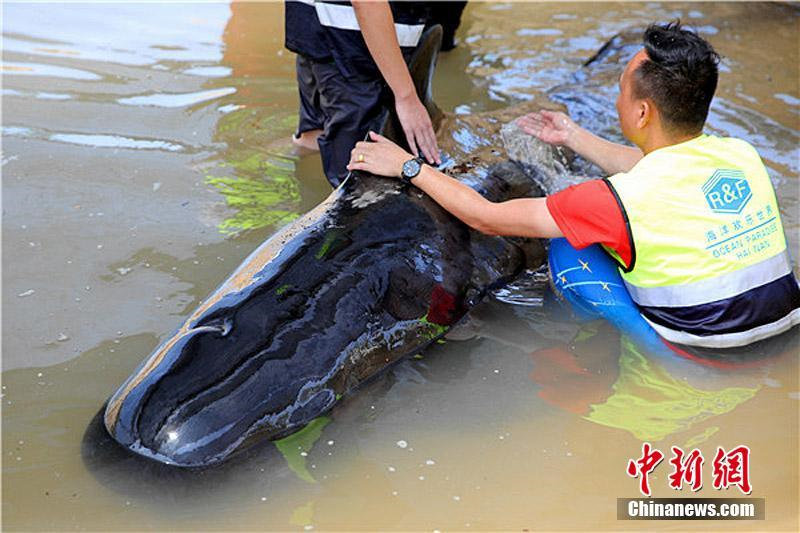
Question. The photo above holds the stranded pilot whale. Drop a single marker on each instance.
(375, 273)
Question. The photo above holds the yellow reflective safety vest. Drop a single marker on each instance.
(710, 266)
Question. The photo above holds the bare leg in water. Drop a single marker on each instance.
(307, 141)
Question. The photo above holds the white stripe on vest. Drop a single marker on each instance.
(729, 340)
(714, 289)
(344, 18)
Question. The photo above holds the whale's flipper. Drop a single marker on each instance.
(421, 67)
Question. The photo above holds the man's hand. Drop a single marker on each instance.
(522, 217)
(552, 127)
(418, 127)
(377, 26)
(382, 157)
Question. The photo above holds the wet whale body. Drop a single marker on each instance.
(373, 274)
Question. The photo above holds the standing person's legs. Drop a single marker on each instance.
(351, 108)
(311, 120)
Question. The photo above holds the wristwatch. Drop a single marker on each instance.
(411, 169)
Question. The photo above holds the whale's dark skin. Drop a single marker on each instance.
(373, 274)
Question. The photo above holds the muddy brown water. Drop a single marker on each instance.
(145, 155)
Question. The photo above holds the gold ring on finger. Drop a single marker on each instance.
(360, 158)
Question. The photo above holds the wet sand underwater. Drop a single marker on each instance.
(145, 155)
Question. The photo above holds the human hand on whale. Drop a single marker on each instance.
(385, 158)
(418, 128)
(552, 127)
(518, 217)
(381, 156)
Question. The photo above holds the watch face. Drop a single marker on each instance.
(411, 168)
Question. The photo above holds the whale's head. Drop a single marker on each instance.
(235, 370)
(170, 409)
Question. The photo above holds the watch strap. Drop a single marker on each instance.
(406, 178)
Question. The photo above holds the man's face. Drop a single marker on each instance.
(629, 108)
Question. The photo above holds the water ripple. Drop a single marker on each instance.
(41, 69)
(176, 100)
(115, 141)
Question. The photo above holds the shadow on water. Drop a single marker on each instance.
(136, 476)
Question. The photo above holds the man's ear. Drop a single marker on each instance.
(645, 111)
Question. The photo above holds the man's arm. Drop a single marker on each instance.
(554, 127)
(522, 217)
(377, 27)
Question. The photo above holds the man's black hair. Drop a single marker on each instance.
(679, 75)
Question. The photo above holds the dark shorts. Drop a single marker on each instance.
(344, 109)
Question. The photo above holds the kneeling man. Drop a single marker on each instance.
(692, 219)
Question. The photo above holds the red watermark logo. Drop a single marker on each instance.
(733, 468)
(644, 466)
(730, 468)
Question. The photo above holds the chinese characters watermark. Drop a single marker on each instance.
(730, 468)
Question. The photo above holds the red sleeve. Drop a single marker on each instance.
(588, 213)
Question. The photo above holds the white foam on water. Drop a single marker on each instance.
(40, 69)
(115, 141)
(176, 100)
